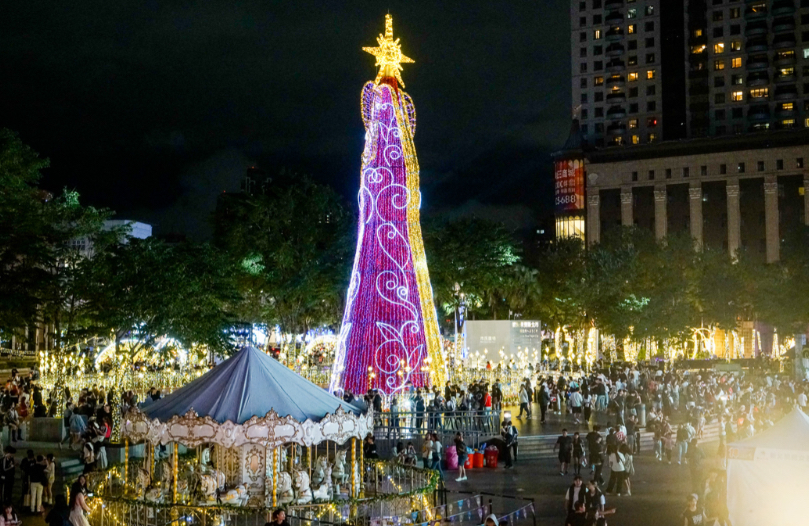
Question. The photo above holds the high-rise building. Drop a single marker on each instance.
(745, 64)
(628, 75)
(709, 140)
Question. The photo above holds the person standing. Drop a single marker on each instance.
(26, 465)
(78, 505)
(427, 451)
(578, 454)
(594, 500)
(8, 471)
(37, 477)
(437, 450)
(565, 446)
(509, 434)
(460, 448)
(50, 477)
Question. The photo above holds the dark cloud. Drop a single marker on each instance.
(136, 101)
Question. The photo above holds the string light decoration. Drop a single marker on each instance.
(389, 326)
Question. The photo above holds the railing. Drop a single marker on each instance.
(475, 426)
(389, 490)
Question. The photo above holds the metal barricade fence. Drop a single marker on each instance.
(476, 426)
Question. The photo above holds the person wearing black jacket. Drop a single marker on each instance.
(38, 481)
(60, 513)
(26, 465)
(8, 471)
(544, 400)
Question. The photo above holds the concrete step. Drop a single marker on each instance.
(535, 447)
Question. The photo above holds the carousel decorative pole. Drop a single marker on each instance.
(175, 461)
(353, 467)
(126, 461)
(275, 461)
(361, 482)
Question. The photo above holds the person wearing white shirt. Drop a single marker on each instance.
(802, 400)
(575, 402)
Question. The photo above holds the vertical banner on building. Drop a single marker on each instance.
(569, 177)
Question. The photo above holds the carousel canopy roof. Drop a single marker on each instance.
(248, 384)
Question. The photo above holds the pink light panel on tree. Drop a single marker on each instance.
(389, 335)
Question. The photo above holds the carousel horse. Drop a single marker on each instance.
(142, 481)
(323, 491)
(319, 471)
(339, 472)
(209, 483)
(301, 485)
(235, 497)
(284, 492)
(155, 495)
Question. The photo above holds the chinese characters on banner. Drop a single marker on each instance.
(569, 177)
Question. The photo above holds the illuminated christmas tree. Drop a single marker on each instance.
(389, 337)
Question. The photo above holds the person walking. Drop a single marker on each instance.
(693, 515)
(587, 404)
(629, 467)
(574, 494)
(565, 446)
(524, 402)
(575, 402)
(544, 400)
(578, 457)
(78, 505)
(683, 436)
(617, 471)
(460, 448)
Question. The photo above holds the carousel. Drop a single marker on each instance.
(248, 436)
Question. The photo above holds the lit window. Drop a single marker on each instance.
(784, 72)
(788, 123)
(806, 122)
(631, 29)
(735, 12)
(650, 10)
(737, 96)
(635, 139)
(632, 13)
(597, 34)
(650, 74)
(697, 33)
(633, 76)
(806, 52)
(698, 49)
(737, 62)
(788, 106)
(718, 64)
(736, 45)
(652, 137)
(759, 93)
(598, 81)
(633, 123)
(737, 80)
(719, 47)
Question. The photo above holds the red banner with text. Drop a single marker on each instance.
(569, 177)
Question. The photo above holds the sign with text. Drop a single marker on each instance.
(510, 336)
(569, 178)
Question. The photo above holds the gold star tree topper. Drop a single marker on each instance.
(388, 55)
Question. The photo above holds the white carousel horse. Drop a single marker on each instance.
(323, 491)
(339, 472)
(319, 471)
(236, 497)
(302, 488)
(284, 492)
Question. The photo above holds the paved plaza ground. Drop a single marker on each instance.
(658, 489)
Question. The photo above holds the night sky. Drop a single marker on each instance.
(154, 107)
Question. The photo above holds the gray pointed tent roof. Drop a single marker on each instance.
(249, 384)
